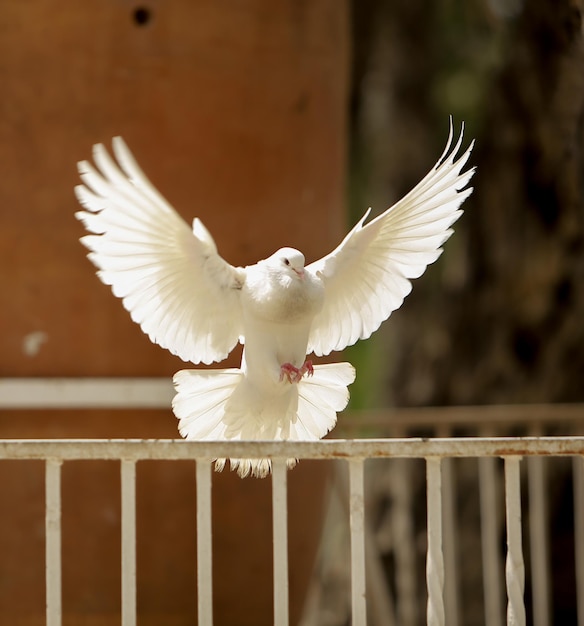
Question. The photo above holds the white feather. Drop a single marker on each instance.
(171, 280)
(223, 404)
(368, 275)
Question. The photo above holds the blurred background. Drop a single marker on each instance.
(279, 123)
(498, 319)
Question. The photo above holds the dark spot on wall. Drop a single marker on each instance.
(142, 16)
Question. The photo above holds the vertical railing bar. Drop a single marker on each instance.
(357, 533)
(280, 537)
(380, 604)
(451, 582)
(204, 543)
(402, 515)
(578, 480)
(53, 542)
(128, 496)
(514, 567)
(492, 562)
(435, 558)
(538, 540)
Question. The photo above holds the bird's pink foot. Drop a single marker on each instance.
(294, 374)
(307, 369)
(289, 372)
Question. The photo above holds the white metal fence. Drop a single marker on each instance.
(441, 529)
(536, 471)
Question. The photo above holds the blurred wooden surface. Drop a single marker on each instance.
(237, 114)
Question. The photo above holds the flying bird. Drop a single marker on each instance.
(189, 300)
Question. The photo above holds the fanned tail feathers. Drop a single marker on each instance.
(222, 405)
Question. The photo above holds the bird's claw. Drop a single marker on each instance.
(307, 368)
(294, 374)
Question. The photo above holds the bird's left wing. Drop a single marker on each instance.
(368, 275)
(171, 279)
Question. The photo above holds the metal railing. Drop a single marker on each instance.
(354, 452)
(530, 420)
(436, 452)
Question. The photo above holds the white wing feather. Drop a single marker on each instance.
(176, 287)
(368, 275)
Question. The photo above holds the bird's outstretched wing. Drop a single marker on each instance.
(171, 279)
(368, 275)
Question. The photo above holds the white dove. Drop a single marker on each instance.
(189, 300)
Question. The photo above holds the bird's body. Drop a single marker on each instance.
(189, 300)
(278, 304)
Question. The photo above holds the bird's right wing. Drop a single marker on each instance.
(171, 279)
(368, 275)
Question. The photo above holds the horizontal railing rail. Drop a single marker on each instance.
(179, 449)
(85, 393)
(156, 393)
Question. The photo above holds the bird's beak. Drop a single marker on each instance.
(299, 273)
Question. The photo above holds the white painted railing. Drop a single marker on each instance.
(355, 452)
(532, 420)
(442, 575)
(85, 393)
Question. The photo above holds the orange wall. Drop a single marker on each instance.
(236, 111)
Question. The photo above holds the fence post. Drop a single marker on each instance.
(578, 480)
(53, 541)
(204, 543)
(357, 524)
(128, 477)
(401, 490)
(515, 567)
(435, 557)
(280, 537)
(538, 540)
(492, 561)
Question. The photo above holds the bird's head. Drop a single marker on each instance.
(289, 261)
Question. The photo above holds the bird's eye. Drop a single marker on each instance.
(286, 262)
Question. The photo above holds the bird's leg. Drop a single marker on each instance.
(307, 369)
(289, 372)
(294, 374)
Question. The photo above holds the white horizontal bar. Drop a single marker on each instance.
(387, 420)
(85, 393)
(33, 392)
(179, 449)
